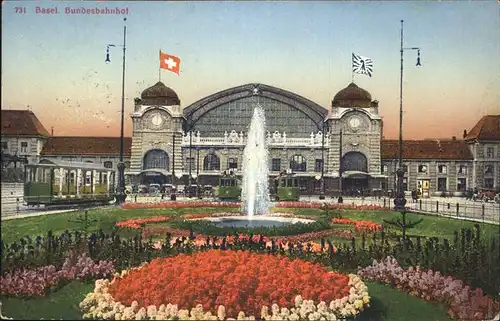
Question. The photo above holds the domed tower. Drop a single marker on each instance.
(156, 136)
(356, 129)
(353, 96)
(158, 94)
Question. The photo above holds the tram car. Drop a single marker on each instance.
(287, 187)
(54, 182)
(229, 188)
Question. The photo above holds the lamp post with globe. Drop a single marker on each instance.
(399, 200)
(120, 193)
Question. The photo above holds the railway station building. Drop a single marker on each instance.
(340, 146)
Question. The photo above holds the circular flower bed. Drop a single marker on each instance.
(218, 284)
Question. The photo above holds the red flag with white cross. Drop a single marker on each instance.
(169, 62)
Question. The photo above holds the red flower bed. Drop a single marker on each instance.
(314, 236)
(361, 226)
(203, 215)
(136, 224)
(162, 231)
(241, 281)
(131, 206)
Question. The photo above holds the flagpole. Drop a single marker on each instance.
(159, 68)
(352, 69)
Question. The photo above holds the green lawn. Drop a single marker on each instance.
(430, 226)
(387, 304)
(62, 304)
(13, 230)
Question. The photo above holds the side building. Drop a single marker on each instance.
(432, 167)
(484, 144)
(23, 137)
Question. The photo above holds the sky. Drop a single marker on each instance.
(54, 64)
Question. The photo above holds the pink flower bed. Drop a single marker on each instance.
(167, 204)
(34, 282)
(464, 302)
(332, 206)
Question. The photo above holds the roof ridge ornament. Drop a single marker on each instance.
(256, 90)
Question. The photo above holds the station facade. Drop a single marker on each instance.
(336, 148)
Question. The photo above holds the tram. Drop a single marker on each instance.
(229, 188)
(54, 182)
(287, 187)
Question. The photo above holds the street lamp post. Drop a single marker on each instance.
(190, 162)
(173, 197)
(322, 186)
(340, 163)
(198, 171)
(400, 200)
(120, 194)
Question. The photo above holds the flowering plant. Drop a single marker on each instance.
(204, 215)
(361, 226)
(464, 303)
(204, 241)
(217, 284)
(316, 235)
(35, 282)
(137, 223)
(169, 204)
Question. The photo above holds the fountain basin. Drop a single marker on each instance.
(256, 221)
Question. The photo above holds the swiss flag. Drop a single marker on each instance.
(169, 62)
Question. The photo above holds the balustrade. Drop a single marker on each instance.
(238, 139)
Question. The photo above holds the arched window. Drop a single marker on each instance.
(354, 161)
(298, 163)
(108, 164)
(156, 159)
(211, 162)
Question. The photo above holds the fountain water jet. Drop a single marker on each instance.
(255, 189)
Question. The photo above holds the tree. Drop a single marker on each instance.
(402, 223)
(84, 222)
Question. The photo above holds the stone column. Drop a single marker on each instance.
(93, 178)
(61, 179)
(108, 181)
(78, 181)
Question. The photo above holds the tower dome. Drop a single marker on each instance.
(352, 96)
(159, 94)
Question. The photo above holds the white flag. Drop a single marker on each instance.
(362, 65)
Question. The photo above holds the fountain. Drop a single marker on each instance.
(255, 189)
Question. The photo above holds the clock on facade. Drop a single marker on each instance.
(354, 122)
(157, 120)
